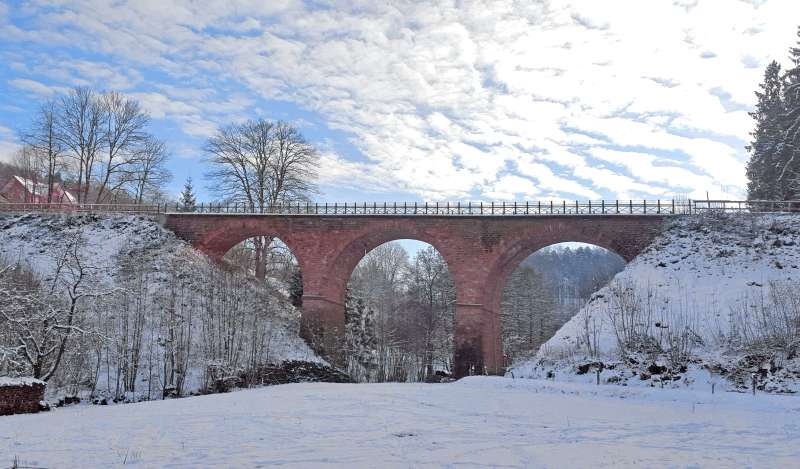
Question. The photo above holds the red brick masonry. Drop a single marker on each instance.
(480, 252)
(20, 395)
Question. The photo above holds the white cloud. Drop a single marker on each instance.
(8, 145)
(444, 99)
(35, 87)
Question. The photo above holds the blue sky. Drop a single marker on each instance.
(431, 101)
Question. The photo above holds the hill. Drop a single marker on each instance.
(154, 317)
(713, 299)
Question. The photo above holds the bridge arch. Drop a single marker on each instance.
(527, 242)
(480, 252)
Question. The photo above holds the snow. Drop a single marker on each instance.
(704, 267)
(14, 382)
(37, 239)
(476, 422)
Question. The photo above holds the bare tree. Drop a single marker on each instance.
(81, 129)
(42, 137)
(124, 132)
(42, 318)
(30, 166)
(261, 164)
(149, 174)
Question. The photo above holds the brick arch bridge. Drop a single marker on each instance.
(480, 251)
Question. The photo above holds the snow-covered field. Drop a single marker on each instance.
(476, 422)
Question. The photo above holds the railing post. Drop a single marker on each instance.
(590, 206)
(481, 208)
(603, 207)
(492, 212)
(659, 207)
(631, 206)
(644, 210)
(576, 207)
(564, 207)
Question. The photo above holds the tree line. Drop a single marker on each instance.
(400, 310)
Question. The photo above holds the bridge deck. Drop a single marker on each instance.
(470, 209)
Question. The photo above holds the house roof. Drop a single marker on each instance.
(39, 188)
(32, 187)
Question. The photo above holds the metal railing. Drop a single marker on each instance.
(57, 207)
(544, 208)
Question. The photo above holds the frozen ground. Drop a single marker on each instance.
(476, 422)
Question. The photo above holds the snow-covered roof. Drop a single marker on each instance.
(6, 381)
(40, 188)
(68, 195)
(32, 187)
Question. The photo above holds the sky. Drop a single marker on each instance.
(412, 101)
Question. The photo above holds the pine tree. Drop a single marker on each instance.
(187, 201)
(762, 167)
(788, 152)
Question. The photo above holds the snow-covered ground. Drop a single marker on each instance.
(705, 275)
(476, 422)
(108, 241)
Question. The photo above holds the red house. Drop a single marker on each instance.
(21, 190)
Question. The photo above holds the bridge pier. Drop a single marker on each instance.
(322, 327)
(478, 348)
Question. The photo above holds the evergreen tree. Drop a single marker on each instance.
(774, 167)
(187, 201)
(762, 167)
(788, 169)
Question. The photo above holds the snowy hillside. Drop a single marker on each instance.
(718, 293)
(159, 302)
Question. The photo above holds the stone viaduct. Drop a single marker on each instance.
(480, 251)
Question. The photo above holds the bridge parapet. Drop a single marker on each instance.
(470, 209)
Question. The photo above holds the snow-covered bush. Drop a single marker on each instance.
(768, 321)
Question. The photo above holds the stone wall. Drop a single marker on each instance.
(20, 395)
